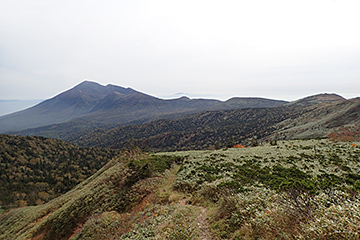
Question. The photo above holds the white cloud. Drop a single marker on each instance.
(214, 48)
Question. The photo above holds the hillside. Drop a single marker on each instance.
(250, 102)
(35, 170)
(117, 187)
(316, 99)
(90, 105)
(341, 118)
(206, 130)
(293, 190)
(325, 116)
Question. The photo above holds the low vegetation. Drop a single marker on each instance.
(293, 190)
(300, 189)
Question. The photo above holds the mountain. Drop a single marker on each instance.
(99, 105)
(63, 107)
(90, 105)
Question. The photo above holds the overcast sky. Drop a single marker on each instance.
(212, 49)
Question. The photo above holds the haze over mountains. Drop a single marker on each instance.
(11, 106)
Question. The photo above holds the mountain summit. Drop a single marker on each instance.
(315, 99)
(76, 102)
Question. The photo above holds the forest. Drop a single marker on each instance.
(34, 170)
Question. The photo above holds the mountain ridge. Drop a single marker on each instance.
(315, 99)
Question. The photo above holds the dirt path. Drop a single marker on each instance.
(203, 225)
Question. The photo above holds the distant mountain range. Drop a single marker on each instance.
(111, 116)
(90, 105)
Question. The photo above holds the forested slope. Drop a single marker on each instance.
(34, 170)
(199, 131)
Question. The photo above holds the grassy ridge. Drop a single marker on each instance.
(304, 189)
(118, 186)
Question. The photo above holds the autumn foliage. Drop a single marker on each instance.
(238, 146)
(346, 134)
